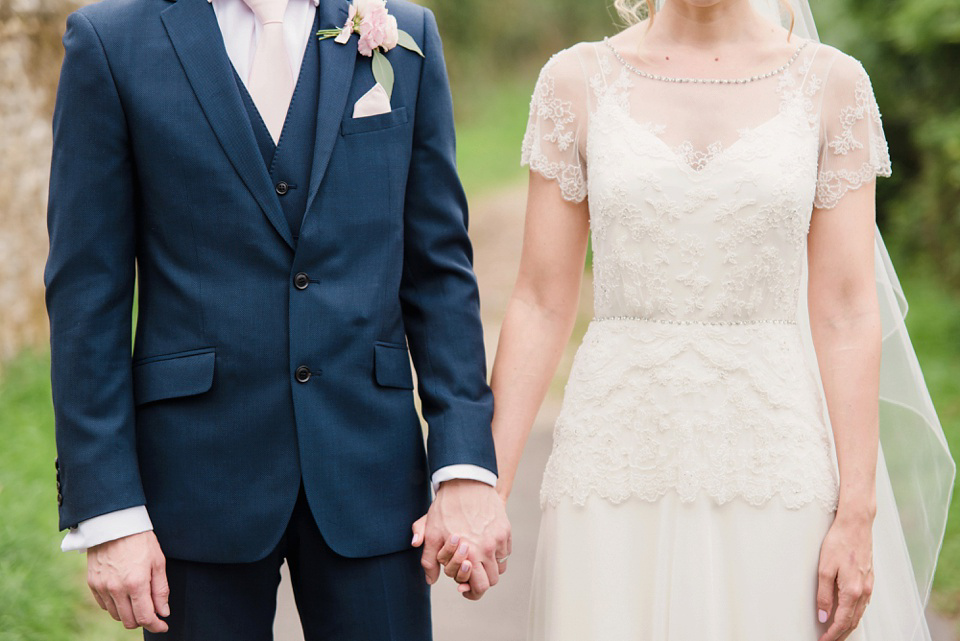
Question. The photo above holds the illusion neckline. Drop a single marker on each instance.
(714, 81)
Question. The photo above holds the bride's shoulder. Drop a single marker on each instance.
(574, 61)
(839, 68)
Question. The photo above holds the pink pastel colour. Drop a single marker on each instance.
(377, 28)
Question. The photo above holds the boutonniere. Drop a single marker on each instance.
(378, 34)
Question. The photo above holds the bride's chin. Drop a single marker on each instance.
(705, 4)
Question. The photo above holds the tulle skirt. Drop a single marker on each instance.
(669, 570)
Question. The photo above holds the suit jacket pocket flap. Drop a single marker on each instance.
(392, 365)
(173, 376)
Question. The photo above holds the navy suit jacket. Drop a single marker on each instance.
(157, 181)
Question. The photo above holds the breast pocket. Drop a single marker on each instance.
(370, 124)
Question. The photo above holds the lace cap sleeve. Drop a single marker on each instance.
(554, 144)
(853, 149)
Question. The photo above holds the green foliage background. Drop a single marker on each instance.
(912, 53)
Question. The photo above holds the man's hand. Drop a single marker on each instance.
(466, 525)
(129, 580)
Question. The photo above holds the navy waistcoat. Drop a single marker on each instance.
(290, 159)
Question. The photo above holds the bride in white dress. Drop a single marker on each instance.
(699, 488)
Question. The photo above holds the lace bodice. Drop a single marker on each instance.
(701, 193)
(693, 377)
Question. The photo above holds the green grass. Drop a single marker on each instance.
(491, 119)
(934, 325)
(42, 592)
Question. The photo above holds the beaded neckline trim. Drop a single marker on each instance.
(707, 81)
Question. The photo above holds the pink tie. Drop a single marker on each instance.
(271, 80)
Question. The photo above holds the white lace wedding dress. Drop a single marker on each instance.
(693, 477)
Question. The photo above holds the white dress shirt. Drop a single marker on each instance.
(241, 30)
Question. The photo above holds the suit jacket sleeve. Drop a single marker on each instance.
(438, 291)
(89, 277)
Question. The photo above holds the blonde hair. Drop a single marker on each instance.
(635, 11)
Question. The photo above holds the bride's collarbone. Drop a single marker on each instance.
(724, 60)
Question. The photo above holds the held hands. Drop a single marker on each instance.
(128, 579)
(845, 575)
(466, 530)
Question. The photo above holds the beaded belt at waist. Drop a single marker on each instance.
(672, 321)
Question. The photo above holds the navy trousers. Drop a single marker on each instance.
(380, 598)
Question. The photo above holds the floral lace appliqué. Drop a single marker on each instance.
(556, 116)
(693, 378)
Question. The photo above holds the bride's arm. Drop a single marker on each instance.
(539, 318)
(846, 329)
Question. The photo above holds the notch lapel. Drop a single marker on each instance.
(337, 62)
(195, 34)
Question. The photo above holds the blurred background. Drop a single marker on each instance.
(494, 49)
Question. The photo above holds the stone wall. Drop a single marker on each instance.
(30, 55)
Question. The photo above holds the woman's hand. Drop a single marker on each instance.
(845, 575)
(467, 519)
(453, 556)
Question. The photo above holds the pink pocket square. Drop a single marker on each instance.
(372, 103)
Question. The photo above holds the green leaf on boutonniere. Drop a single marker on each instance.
(383, 71)
(406, 41)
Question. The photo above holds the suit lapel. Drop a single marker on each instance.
(193, 29)
(336, 75)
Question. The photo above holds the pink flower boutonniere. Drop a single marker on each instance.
(378, 33)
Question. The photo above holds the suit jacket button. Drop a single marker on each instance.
(59, 499)
(301, 281)
(302, 374)
(282, 187)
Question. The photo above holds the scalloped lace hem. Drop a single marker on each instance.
(570, 179)
(790, 500)
(832, 186)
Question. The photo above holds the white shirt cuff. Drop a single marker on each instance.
(107, 527)
(463, 471)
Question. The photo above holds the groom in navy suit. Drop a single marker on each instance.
(290, 254)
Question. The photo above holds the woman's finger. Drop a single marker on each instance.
(860, 608)
(478, 585)
(463, 576)
(452, 568)
(826, 586)
(448, 550)
(842, 618)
